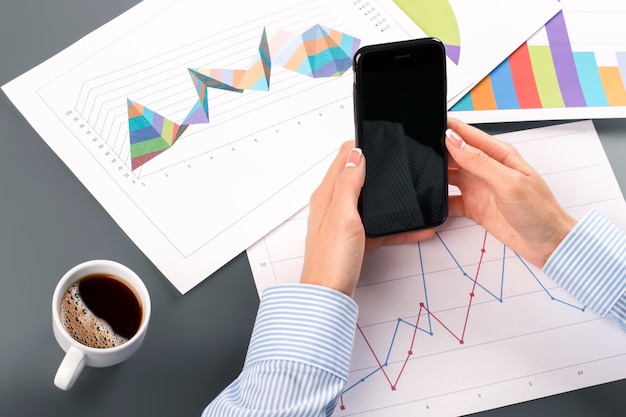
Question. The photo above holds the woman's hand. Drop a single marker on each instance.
(335, 242)
(501, 192)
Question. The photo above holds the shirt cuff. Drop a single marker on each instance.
(305, 323)
(618, 312)
(590, 263)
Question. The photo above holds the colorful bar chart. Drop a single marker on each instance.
(551, 76)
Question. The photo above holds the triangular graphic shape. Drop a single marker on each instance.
(198, 114)
(150, 133)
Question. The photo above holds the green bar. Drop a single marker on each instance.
(545, 77)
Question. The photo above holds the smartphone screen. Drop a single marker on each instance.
(400, 117)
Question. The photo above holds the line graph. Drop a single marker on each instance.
(317, 52)
(425, 313)
(460, 323)
(167, 83)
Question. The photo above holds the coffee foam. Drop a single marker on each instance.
(83, 325)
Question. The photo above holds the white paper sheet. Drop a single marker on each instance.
(519, 338)
(225, 184)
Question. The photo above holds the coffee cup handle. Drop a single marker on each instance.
(71, 366)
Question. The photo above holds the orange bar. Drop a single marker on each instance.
(613, 85)
(482, 95)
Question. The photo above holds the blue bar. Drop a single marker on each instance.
(464, 104)
(590, 80)
(503, 87)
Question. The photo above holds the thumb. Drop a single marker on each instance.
(350, 180)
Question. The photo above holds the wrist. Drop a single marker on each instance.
(564, 225)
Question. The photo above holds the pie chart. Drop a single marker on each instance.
(437, 19)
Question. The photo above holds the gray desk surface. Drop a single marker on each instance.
(49, 222)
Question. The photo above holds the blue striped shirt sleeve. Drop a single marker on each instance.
(298, 358)
(590, 263)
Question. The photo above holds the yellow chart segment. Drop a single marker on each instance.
(436, 18)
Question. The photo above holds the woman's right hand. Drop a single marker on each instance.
(501, 192)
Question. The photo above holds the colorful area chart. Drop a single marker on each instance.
(317, 52)
(437, 19)
(549, 76)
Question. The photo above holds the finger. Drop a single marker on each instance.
(451, 162)
(349, 182)
(501, 151)
(460, 177)
(338, 163)
(477, 162)
(454, 177)
(324, 192)
(455, 206)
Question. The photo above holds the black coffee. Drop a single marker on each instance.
(100, 311)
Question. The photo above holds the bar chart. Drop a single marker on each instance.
(553, 73)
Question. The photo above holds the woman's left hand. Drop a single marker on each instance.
(335, 242)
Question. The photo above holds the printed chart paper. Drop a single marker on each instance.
(183, 118)
(472, 31)
(573, 68)
(459, 323)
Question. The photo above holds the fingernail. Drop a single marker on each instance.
(354, 157)
(456, 140)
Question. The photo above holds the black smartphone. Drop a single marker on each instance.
(400, 121)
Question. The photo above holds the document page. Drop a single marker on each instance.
(460, 323)
(183, 118)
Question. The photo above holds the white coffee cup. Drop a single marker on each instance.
(77, 354)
